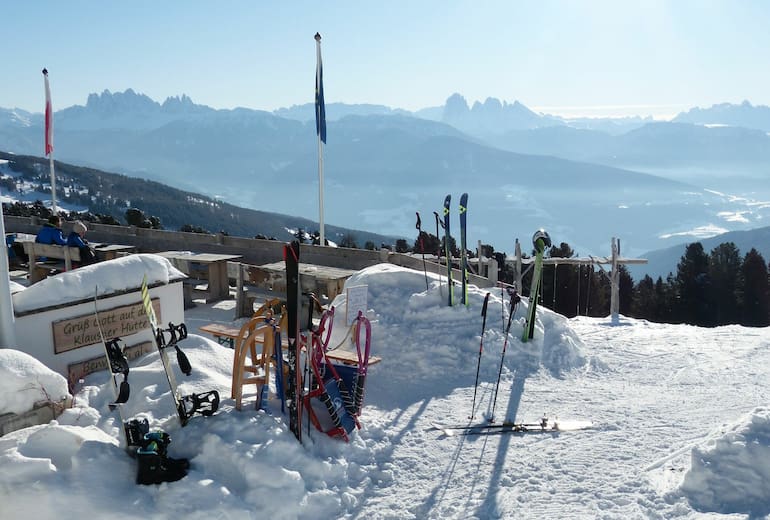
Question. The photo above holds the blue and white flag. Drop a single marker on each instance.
(320, 109)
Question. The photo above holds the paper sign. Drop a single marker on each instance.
(356, 301)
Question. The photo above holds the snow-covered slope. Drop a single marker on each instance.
(678, 412)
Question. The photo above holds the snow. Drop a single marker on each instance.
(26, 381)
(680, 425)
(109, 277)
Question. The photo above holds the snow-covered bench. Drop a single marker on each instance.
(34, 250)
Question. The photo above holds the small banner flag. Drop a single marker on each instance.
(320, 108)
(48, 116)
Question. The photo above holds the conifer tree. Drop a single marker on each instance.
(726, 286)
(645, 302)
(755, 290)
(693, 284)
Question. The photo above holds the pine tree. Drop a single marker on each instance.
(625, 291)
(726, 284)
(402, 246)
(430, 243)
(645, 302)
(693, 284)
(755, 290)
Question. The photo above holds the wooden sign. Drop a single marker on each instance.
(79, 370)
(117, 322)
(355, 301)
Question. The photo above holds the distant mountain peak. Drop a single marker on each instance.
(493, 116)
(128, 100)
(744, 115)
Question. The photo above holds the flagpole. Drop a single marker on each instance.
(49, 139)
(7, 326)
(321, 131)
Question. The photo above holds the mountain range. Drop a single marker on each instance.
(649, 183)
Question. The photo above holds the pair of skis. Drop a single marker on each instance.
(543, 426)
(295, 384)
(463, 248)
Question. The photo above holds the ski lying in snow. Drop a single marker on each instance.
(544, 426)
(186, 406)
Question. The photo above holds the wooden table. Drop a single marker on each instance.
(110, 251)
(214, 266)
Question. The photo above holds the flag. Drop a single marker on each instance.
(48, 116)
(320, 108)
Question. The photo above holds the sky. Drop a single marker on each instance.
(592, 57)
(655, 420)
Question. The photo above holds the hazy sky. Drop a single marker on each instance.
(571, 57)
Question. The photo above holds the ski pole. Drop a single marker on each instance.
(438, 253)
(515, 299)
(422, 249)
(481, 348)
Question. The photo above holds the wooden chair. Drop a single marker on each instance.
(250, 367)
(257, 319)
(258, 367)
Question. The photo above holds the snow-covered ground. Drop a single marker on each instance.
(680, 425)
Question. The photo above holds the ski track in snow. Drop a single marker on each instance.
(638, 440)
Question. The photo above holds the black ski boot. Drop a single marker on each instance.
(154, 465)
(163, 440)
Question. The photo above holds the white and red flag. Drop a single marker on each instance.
(48, 116)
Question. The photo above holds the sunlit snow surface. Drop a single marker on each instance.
(680, 425)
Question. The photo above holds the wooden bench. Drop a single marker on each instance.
(348, 357)
(226, 335)
(34, 250)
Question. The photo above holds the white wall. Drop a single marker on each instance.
(34, 331)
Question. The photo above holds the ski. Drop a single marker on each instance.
(187, 406)
(448, 250)
(540, 240)
(294, 384)
(463, 249)
(544, 426)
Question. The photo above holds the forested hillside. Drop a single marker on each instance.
(111, 194)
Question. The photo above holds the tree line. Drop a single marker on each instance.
(709, 289)
(721, 287)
